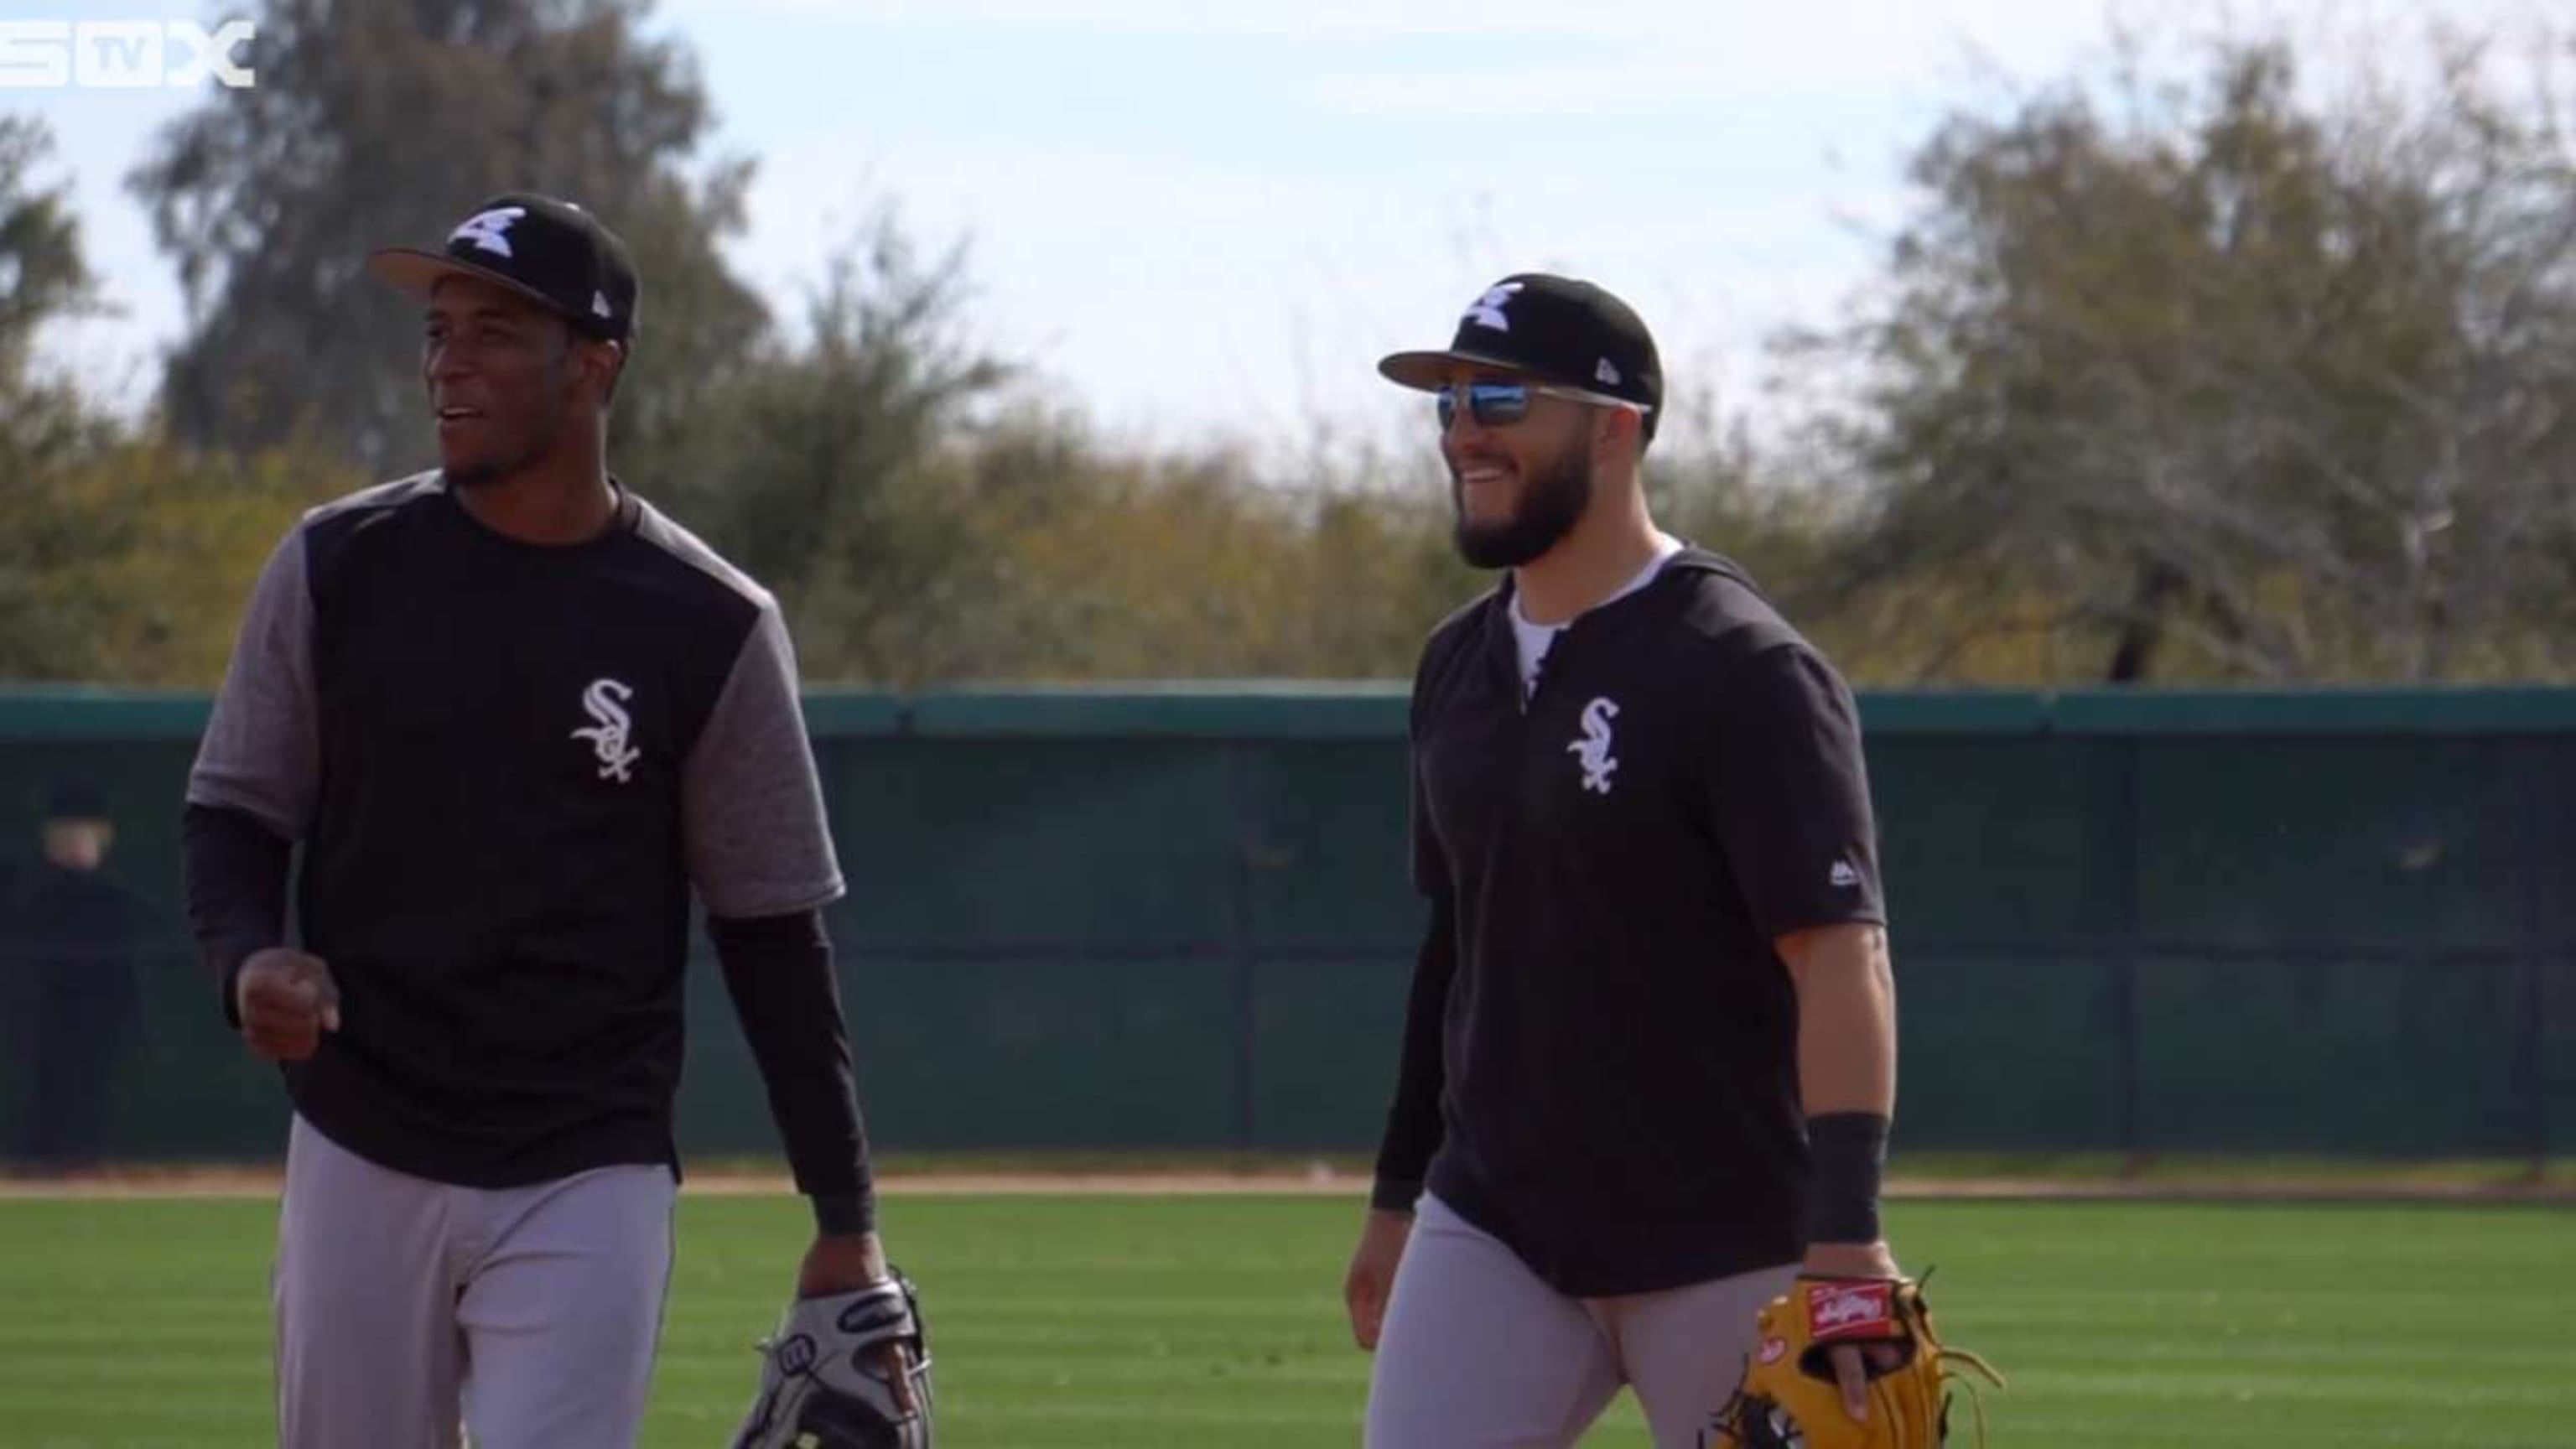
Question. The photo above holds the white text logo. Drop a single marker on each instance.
(1847, 1307)
(122, 55)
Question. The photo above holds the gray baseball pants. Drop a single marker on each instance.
(1477, 1352)
(408, 1308)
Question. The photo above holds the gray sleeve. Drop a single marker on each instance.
(751, 805)
(262, 754)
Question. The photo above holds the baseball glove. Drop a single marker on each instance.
(821, 1385)
(1789, 1399)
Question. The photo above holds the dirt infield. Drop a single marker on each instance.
(252, 1182)
(1322, 1181)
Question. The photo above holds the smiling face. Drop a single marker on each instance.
(1519, 488)
(507, 379)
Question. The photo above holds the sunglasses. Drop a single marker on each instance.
(1501, 404)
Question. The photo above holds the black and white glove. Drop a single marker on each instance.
(823, 1383)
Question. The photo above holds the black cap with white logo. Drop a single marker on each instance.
(1548, 329)
(549, 251)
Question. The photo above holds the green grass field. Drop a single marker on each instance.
(1136, 1322)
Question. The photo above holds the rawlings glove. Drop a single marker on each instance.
(1789, 1399)
(821, 1383)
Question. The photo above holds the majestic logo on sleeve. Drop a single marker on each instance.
(1487, 310)
(605, 703)
(489, 229)
(1593, 750)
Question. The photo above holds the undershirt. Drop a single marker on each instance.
(1535, 639)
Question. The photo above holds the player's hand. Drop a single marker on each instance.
(1853, 1362)
(846, 1263)
(1372, 1274)
(286, 1000)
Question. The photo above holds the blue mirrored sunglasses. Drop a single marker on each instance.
(1501, 404)
(1491, 404)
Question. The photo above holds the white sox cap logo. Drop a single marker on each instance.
(1487, 310)
(605, 703)
(489, 230)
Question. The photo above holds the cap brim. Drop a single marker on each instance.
(1431, 371)
(411, 270)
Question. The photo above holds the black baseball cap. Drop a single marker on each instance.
(548, 250)
(1549, 329)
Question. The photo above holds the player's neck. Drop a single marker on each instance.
(562, 498)
(1614, 539)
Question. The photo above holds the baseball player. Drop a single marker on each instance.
(1649, 1058)
(511, 715)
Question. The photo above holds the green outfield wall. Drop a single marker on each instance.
(2316, 922)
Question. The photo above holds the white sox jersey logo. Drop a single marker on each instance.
(1487, 310)
(605, 703)
(489, 230)
(1593, 750)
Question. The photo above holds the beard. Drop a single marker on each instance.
(507, 451)
(1553, 498)
(508, 456)
(481, 473)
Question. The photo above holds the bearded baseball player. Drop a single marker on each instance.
(512, 716)
(1649, 1058)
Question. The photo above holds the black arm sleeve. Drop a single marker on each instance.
(236, 872)
(1413, 1127)
(778, 969)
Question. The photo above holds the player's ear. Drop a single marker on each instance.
(1617, 434)
(606, 362)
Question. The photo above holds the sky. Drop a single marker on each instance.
(1199, 219)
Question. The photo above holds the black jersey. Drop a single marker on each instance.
(507, 765)
(1610, 861)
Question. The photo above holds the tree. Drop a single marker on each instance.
(44, 426)
(43, 276)
(132, 561)
(379, 122)
(2213, 379)
(1118, 564)
(828, 465)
